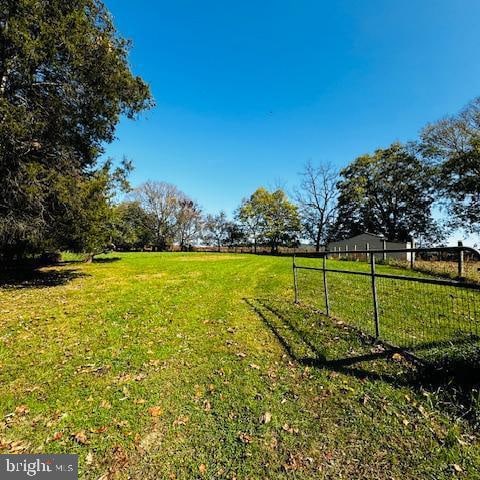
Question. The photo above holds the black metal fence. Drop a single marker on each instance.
(415, 310)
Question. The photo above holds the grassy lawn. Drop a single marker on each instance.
(184, 366)
(422, 317)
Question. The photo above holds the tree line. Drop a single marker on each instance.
(423, 189)
(65, 82)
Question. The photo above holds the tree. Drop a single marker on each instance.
(160, 201)
(453, 144)
(317, 200)
(131, 230)
(250, 215)
(389, 192)
(234, 234)
(188, 222)
(64, 83)
(270, 216)
(216, 229)
(282, 222)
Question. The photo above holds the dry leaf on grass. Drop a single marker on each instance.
(80, 437)
(22, 410)
(245, 438)
(155, 411)
(266, 418)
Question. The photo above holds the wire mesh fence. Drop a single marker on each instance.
(418, 311)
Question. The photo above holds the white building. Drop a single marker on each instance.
(369, 241)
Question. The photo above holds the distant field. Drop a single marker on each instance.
(181, 366)
(450, 269)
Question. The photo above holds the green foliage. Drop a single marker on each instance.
(131, 230)
(389, 192)
(270, 217)
(453, 144)
(64, 83)
(215, 229)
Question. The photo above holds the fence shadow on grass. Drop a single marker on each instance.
(25, 278)
(308, 350)
(313, 340)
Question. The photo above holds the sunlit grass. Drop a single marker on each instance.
(200, 366)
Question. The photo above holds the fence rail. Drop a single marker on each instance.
(409, 309)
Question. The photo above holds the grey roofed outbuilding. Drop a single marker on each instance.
(370, 241)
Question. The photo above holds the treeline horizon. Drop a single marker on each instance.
(65, 82)
(393, 191)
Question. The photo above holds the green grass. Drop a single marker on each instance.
(200, 366)
(422, 317)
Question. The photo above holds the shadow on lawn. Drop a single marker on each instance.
(36, 278)
(106, 260)
(454, 377)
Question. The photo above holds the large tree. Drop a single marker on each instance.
(250, 215)
(453, 144)
(64, 83)
(160, 201)
(270, 217)
(317, 201)
(131, 231)
(188, 222)
(215, 229)
(389, 192)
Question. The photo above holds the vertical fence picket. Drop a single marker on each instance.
(325, 285)
(374, 296)
(295, 281)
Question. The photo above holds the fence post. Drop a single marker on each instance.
(461, 269)
(374, 293)
(412, 254)
(384, 248)
(367, 247)
(295, 284)
(325, 287)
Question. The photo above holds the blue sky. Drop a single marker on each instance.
(248, 91)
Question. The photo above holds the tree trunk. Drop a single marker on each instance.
(317, 242)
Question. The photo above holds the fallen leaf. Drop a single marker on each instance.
(245, 438)
(182, 420)
(22, 410)
(99, 430)
(155, 411)
(266, 417)
(57, 436)
(253, 365)
(457, 468)
(202, 468)
(80, 437)
(89, 458)
(397, 357)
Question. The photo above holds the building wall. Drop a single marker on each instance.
(359, 242)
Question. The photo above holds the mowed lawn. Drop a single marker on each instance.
(184, 366)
